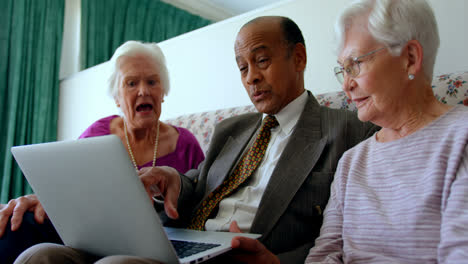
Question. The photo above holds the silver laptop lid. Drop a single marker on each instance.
(75, 180)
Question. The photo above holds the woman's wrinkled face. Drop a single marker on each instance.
(379, 87)
(140, 90)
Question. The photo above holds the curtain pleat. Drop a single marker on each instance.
(106, 24)
(30, 48)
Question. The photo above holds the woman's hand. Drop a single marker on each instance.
(16, 209)
(167, 180)
(250, 250)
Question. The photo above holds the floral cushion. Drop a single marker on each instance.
(451, 88)
(337, 100)
(202, 124)
(448, 88)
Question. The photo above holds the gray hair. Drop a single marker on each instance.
(133, 48)
(394, 23)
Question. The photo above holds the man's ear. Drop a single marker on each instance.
(300, 57)
(413, 53)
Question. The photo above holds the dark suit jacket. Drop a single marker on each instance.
(290, 212)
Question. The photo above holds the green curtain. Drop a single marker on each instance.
(30, 48)
(106, 24)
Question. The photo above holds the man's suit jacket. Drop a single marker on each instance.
(290, 212)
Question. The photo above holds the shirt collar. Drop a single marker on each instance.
(288, 116)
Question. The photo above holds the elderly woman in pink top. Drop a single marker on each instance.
(401, 196)
(138, 84)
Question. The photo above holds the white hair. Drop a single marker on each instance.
(394, 23)
(133, 48)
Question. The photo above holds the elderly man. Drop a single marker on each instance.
(268, 172)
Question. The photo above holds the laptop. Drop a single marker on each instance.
(95, 200)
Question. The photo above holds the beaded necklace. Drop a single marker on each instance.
(130, 148)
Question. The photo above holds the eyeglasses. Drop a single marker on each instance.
(351, 66)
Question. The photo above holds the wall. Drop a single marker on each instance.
(204, 75)
(69, 61)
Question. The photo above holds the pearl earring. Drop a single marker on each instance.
(411, 77)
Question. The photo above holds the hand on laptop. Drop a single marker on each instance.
(250, 250)
(168, 182)
(16, 209)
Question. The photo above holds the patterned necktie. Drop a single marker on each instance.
(244, 169)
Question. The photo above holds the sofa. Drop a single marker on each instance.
(449, 88)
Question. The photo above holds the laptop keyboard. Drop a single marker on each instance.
(188, 248)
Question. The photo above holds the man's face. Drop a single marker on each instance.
(271, 78)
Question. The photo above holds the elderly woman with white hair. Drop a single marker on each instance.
(138, 83)
(401, 195)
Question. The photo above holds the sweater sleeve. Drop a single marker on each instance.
(189, 151)
(453, 247)
(329, 245)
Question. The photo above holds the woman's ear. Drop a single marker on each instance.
(413, 51)
(117, 103)
(300, 57)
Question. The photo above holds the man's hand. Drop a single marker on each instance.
(16, 209)
(167, 180)
(250, 250)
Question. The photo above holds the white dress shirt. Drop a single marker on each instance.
(242, 205)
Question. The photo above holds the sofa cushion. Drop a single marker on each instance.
(451, 88)
(202, 124)
(337, 100)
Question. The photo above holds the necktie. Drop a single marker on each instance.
(244, 169)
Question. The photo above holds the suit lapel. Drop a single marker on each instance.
(229, 155)
(297, 160)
